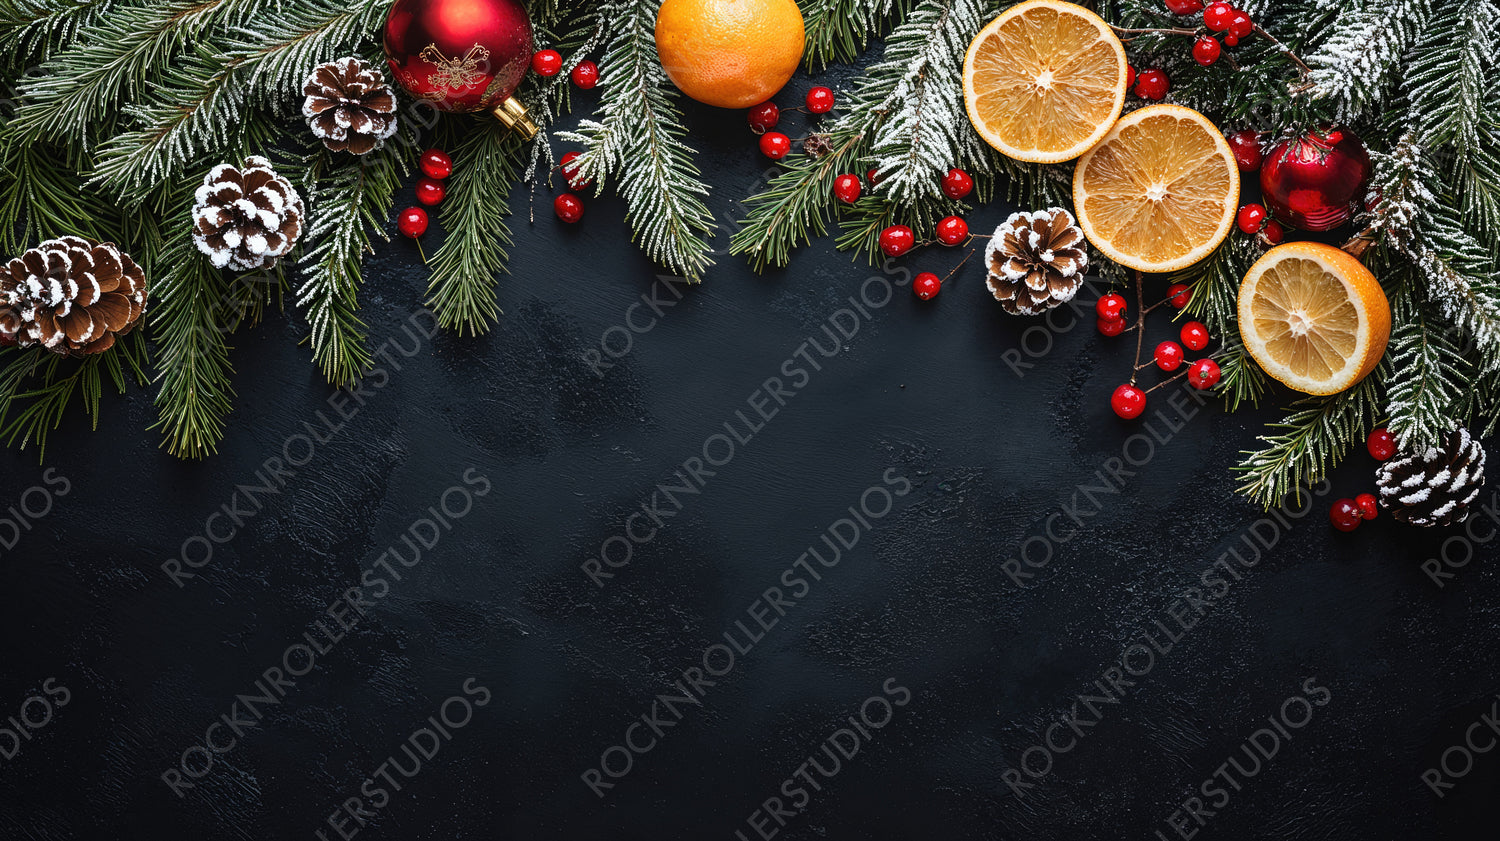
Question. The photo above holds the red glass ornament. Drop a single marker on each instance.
(1204, 374)
(775, 145)
(1194, 336)
(463, 55)
(1185, 7)
(952, 230)
(1179, 294)
(570, 173)
(1110, 327)
(897, 240)
(1128, 402)
(819, 100)
(431, 191)
(1206, 50)
(957, 184)
(586, 74)
(926, 285)
(1369, 506)
(547, 62)
(846, 189)
(1168, 356)
(435, 163)
(764, 117)
(1345, 515)
(1381, 444)
(1153, 85)
(1246, 147)
(1315, 182)
(412, 222)
(568, 207)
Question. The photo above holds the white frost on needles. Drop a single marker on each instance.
(1369, 38)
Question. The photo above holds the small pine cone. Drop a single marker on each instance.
(1036, 261)
(71, 296)
(245, 218)
(349, 106)
(1433, 488)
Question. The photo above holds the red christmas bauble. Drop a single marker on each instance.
(1315, 182)
(462, 55)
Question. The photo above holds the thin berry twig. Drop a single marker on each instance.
(960, 264)
(1259, 30)
(1172, 379)
(1123, 31)
(1140, 319)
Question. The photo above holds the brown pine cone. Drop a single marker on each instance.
(1436, 487)
(1036, 261)
(71, 296)
(246, 218)
(349, 106)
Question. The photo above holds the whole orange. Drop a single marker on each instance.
(729, 53)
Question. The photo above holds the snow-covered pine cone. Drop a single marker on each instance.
(71, 296)
(244, 219)
(1433, 488)
(1036, 261)
(349, 106)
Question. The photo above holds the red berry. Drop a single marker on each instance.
(1168, 356)
(1129, 76)
(872, 176)
(586, 74)
(1128, 402)
(1185, 7)
(431, 191)
(897, 240)
(1240, 25)
(764, 117)
(819, 101)
(1345, 515)
(546, 62)
(1251, 217)
(1382, 444)
(1194, 336)
(1152, 84)
(570, 173)
(1369, 506)
(1179, 294)
(1111, 307)
(412, 222)
(435, 163)
(1273, 233)
(1206, 50)
(846, 189)
(775, 145)
(1246, 147)
(957, 184)
(1204, 374)
(1218, 16)
(1110, 328)
(926, 285)
(1231, 40)
(952, 230)
(568, 207)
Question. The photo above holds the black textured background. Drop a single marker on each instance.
(923, 598)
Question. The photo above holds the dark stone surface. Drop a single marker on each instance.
(920, 611)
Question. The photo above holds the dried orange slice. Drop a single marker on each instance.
(1160, 192)
(1045, 81)
(1314, 317)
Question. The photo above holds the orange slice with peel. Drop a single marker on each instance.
(1044, 81)
(1313, 317)
(1160, 192)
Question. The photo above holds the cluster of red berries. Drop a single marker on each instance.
(436, 166)
(549, 63)
(1235, 24)
(765, 116)
(569, 206)
(1347, 514)
(899, 239)
(1150, 84)
(1128, 401)
(1253, 219)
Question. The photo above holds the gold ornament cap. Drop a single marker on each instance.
(512, 114)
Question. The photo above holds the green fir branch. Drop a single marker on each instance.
(1311, 441)
(796, 205)
(840, 30)
(37, 387)
(1428, 372)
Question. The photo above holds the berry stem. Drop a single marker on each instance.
(960, 264)
(1259, 30)
(1122, 31)
(1140, 320)
(1169, 380)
